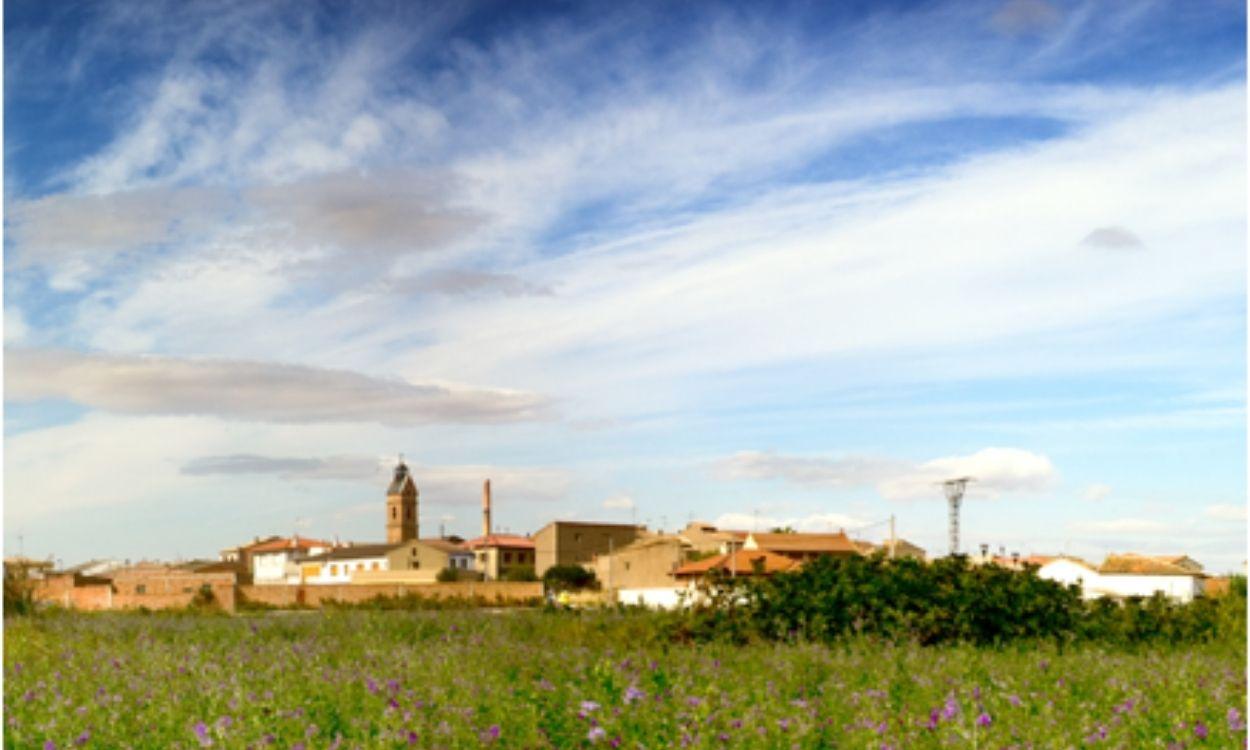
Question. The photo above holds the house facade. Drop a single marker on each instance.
(577, 542)
(272, 562)
(496, 555)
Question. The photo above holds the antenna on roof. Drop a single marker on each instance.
(954, 491)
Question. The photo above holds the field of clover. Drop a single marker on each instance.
(522, 679)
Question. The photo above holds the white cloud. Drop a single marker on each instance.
(812, 523)
(1122, 526)
(806, 470)
(252, 390)
(1095, 492)
(1226, 512)
(15, 328)
(619, 502)
(996, 471)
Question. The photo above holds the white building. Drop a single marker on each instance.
(1177, 577)
(1071, 571)
(338, 565)
(272, 562)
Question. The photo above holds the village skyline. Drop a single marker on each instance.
(757, 269)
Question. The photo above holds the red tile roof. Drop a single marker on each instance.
(295, 542)
(1130, 564)
(510, 541)
(742, 562)
(805, 543)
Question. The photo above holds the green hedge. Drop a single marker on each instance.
(948, 600)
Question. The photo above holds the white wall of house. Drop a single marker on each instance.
(339, 571)
(670, 597)
(1068, 573)
(270, 567)
(1177, 587)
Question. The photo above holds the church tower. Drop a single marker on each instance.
(401, 506)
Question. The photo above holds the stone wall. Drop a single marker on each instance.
(314, 596)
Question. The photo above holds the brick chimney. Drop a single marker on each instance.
(486, 508)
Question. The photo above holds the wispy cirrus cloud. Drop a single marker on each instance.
(441, 485)
(996, 471)
(252, 390)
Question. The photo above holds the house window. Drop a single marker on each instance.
(507, 557)
(408, 513)
(375, 566)
(627, 566)
(394, 513)
(186, 589)
(577, 537)
(334, 570)
(141, 589)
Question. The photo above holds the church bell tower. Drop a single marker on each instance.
(401, 506)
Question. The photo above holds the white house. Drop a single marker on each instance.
(1071, 571)
(337, 565)
(1177, 577)
(271, 561)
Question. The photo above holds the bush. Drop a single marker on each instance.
(568, 578)
(447, 575)
(520, 573)
(19, 590)
(946, 601)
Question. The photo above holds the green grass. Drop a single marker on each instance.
(539, 679)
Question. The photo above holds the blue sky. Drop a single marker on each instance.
(635, 261)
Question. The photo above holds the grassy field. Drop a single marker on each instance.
(536, 679)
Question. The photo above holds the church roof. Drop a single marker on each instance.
(402, 478)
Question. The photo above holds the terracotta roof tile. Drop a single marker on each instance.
(281, 543)
(1130, 564)
(511, 541)
(816, 543)
(743, 562)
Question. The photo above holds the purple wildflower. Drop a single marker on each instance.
(1013, 699)
(588, 707)
(224, 722)
(1235, 721)
(491, 734)
(82, 738)
(412, 737)
(49, 745)
(784, 724)
(951, 709)
(632, 694)
(1200, 730)
(984, 720)
(595, 734)
(934, 716)
(201, 733)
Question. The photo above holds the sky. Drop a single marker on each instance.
(783, 265)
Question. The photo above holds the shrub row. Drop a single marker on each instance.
(948, 600)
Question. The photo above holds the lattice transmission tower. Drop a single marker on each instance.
(954, 489)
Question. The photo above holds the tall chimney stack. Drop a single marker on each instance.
(486, 508)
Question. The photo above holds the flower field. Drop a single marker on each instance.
(540, 679)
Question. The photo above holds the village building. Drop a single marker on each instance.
(742, 562)
(801, 547)
(274, 561)
(497, 555)
(1069, 571)
(577, 542)
(421, 560)
(1177, 577)
(645, 564)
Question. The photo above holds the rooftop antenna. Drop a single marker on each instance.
(954, 491)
